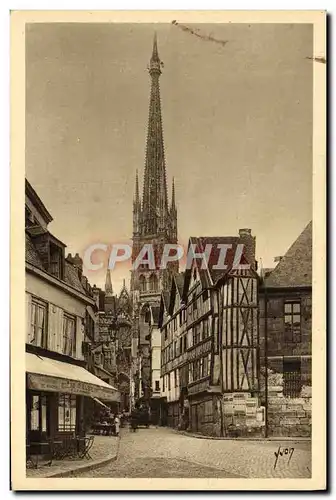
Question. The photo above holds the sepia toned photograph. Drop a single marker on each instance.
(168, 334)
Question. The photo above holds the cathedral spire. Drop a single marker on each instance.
(108, 283)
(155, 202)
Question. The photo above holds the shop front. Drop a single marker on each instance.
(55, 394)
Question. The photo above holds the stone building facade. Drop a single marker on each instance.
(59, 324)
(285, 311)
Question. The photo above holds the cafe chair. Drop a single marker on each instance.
(87, 447)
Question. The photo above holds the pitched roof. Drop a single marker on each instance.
(295, 268)
(211, 275)
(36, 200)
(179, 280)
(32, 255)
(71, 277)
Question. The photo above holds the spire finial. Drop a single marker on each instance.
(108, 283)
(155, 62)
(155, 54)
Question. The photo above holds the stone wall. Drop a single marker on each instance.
(243, 416)
(288, 416)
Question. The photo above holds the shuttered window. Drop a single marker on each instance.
(38, 324)
(69, 335)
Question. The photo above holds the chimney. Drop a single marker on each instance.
(278, 258)
(245, 232)
(249, 242)
(70, 258)
(78, 264)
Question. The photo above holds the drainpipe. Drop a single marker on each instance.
(266, 360)
(220, 346)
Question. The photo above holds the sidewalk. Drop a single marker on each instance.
(218, 438)
(104, 450)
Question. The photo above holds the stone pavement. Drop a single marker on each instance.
(161, 452)
(103, 451)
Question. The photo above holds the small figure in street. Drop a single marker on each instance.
(134, 420)
(117, 425)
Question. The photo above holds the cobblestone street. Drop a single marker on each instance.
(161, 452)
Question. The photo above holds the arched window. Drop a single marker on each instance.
(153, 283)
(142, 282)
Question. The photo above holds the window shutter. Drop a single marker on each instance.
(28, 318)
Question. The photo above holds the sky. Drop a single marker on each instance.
(237, 121)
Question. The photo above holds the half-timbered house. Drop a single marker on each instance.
(210, 342)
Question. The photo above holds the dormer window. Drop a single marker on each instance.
(56, 260)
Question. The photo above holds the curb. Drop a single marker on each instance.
(96, 464)
(218, 438)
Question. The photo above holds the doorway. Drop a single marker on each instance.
(38, 420)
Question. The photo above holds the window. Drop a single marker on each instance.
(163, 383)
(176, 378)
(168, 381)
(206, 365)
(142, 283)
(205, 328)
(35, 413)
(190, 338)
(197, 333)
(69, 335)
(184, 343)
(157, 385)
(153, 283)
(292, 378)
(190, 373)
(38, 413)
(66, 413)
(194, 303)
(205, 295)
(56, 261)
(38, 324)
(165, 332)
(292, 321)
(197, 369)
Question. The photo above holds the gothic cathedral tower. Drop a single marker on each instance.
(154, 221)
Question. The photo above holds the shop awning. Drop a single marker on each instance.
(45, 374)
(101, 403)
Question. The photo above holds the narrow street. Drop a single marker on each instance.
(161, 452)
